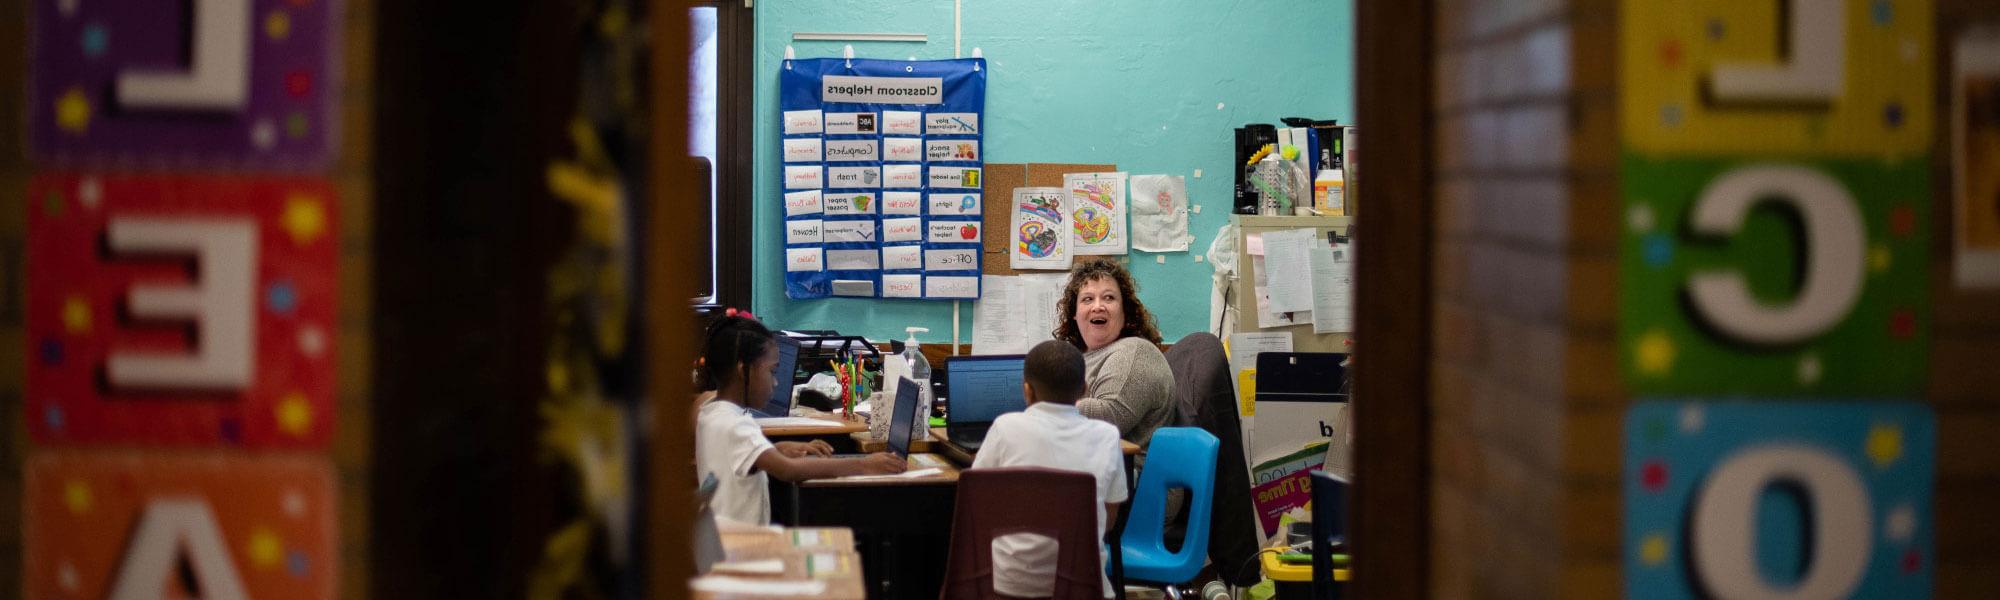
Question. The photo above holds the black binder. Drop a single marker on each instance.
(1301, 377)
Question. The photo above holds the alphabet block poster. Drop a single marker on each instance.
(180, 310)
(882, 177)
(144, 525)
(202, 82)
(1737, 499)
(1776, 188)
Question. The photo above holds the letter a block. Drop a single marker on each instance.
(138, 526)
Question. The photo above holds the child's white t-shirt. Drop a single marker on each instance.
(1056, 436)
(727, 443)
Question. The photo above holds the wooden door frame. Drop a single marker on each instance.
(668, 272)
(1391, 523)
(1390, 527)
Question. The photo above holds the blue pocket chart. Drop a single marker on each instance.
(882, 175)
(1778, 499)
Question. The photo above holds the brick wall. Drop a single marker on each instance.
(1511, 163)
(1527, 404)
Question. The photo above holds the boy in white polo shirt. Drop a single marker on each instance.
(1051, 433)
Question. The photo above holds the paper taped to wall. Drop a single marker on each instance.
(1159, 213)
(1041, 240)
(1096, 212)
(1016, 312)
(1332, 288)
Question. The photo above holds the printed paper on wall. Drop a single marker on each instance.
(1096, 212)
(1040, 239)
(1159, 213)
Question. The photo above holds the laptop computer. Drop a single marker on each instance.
(780, 402)
(904, 421)
(979, 389)
(901, 421)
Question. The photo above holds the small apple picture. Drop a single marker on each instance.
(969, 232)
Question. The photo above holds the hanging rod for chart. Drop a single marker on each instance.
(859, 37)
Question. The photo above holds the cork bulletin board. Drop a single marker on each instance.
(1001, 179)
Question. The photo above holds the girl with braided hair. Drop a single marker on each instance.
(737, 358)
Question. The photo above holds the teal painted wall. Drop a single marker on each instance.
(1153, 87)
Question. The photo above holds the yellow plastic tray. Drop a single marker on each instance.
(1279, 571)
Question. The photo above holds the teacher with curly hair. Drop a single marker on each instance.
(1126, 378)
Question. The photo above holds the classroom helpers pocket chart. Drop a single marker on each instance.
(883, 161)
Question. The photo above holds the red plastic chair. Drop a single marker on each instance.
(996, 502)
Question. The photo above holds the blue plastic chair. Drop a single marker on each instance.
(1181, 457)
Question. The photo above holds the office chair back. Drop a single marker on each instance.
(1205, 396)
(994, 502)
(1182, 457)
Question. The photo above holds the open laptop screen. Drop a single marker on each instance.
(903, 422)
(981, 388)
(780, 402)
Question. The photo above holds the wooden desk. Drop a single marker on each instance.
(903, 524)
(757, 542)
(941, 443)
(825, 554)
(845, 427)
(863, 443)
(947, 475)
